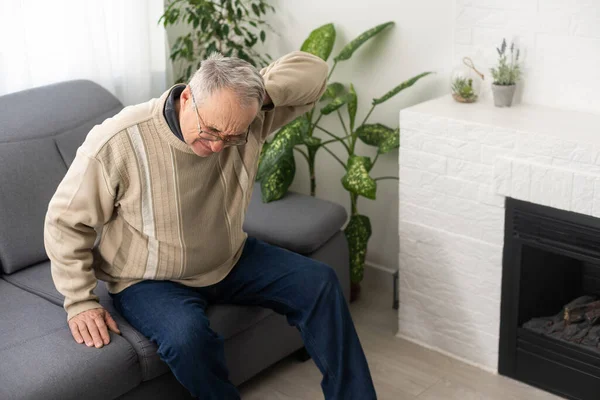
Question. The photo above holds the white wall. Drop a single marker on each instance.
(560, 42)
(420, 41)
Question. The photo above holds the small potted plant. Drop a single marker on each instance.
(462, 90)
(505, 75)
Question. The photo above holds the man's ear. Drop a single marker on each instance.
(186, 97)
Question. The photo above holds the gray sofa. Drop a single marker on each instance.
(40, 130)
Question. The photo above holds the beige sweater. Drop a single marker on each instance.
(164, 213)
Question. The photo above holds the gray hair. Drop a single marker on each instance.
(219, 72)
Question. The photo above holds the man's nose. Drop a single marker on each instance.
(217, 146)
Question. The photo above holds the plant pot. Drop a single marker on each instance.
(461, 99)
(503, 95)
(354, 291)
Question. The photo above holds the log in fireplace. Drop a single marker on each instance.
(550, 313)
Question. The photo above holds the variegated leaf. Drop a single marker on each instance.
(357, 232)
(351, 47)
(320, 41)
(336, 104)
(357, 179)
(399, 88)
(333, 90)
(352, 105)
(289, 136)
(312, 141)
(275, 185)
(379, 135)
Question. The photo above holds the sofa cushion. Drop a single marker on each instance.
(30, 171)
(297, 222)
(69, 141)
(38, 280)
(40, 360)
(40, 130)
(228, 320)
(52, 109)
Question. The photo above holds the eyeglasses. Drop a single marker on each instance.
(228, 140)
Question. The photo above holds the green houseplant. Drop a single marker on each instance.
(462, 90)
(505, 75)
(277, 165)
(231, 27)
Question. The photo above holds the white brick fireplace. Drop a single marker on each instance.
(457, 164)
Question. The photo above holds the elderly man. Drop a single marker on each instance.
(169, 182)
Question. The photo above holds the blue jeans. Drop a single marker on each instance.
(306, 291)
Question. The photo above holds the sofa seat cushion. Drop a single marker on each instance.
(296, 222)
(227, 320)
(40, 360)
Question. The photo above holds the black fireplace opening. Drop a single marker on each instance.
(567, 306)
(550, 313)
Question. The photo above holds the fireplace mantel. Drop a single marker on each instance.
(458, 163)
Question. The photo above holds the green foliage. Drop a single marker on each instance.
(333, 90)
(399, 88)
(320, 41)
(290, 135)
(231, 27)
(357, 232)
(352, 106)
(312, 142)
(275, 183)
(351, 47)
(463, 87)
(336, 103)
(507, 73)
(356, 179)
(385, 138)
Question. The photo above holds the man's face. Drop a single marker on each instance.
(221, 114)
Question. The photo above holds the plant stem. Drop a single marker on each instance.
(308, 117)
(311, 172)
(312, 152)
(354, 135)
(334, 156)
(342, 121)
(336, 140)
(303, 153)
(368, 114)
(352, 143)
(337, 137)
(318, 118)
(331, 70)
(375, 160)
(353, 202)
(386, 177)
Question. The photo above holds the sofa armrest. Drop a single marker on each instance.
(297, 222)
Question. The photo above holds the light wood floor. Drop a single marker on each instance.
(401, 370)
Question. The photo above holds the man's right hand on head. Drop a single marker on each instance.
(91, 327)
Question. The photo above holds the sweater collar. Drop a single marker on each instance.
(163, 127)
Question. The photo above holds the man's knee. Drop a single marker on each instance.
(320, 275)
(188, 339)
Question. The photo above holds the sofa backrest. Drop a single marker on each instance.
(40, 131)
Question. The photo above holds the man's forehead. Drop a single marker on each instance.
(234, 124)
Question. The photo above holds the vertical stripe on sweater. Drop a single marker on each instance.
(148, 227)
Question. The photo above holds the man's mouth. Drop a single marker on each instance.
(203, 145)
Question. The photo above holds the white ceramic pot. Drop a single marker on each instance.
(503, 95)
